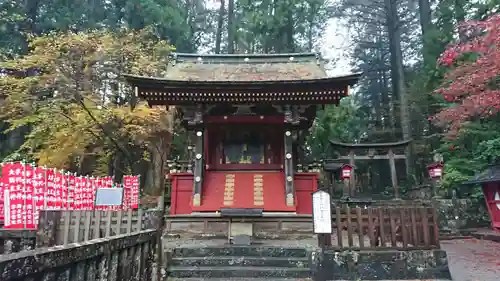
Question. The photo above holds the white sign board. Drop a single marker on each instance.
(438, 172)
(322, 215)
(6, 207)
(109, 197)
(346, 173)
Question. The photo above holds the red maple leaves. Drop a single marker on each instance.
(471, 85)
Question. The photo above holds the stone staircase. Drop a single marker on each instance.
(239, 263)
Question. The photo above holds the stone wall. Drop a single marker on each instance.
(380, 265)
(452, 214)
(457, 215)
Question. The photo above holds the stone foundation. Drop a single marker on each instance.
(380, 265)
(268, 227)
(235, 262)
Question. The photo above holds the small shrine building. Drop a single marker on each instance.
(249, 115)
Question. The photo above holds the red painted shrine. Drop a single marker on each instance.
(248, 116)
(490, 182)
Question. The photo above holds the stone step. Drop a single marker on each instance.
(239, 279)
(292, 262)
(237, 271)
(238, 251)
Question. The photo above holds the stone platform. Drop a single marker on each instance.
(486, 234)
(242, 279)
(230, 262)
(297, 259)
(269, 226)
(281, 279)
(284, 248)
(383, 265)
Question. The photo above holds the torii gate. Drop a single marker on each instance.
(371, 151)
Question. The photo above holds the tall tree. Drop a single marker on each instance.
(425, 13)
(220, 23)
(231, 27)
(397, 70)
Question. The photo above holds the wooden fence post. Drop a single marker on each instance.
(48, 225)
(154, 220)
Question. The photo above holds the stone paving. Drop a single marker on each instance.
(473, 259)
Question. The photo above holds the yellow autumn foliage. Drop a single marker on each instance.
(76, 107)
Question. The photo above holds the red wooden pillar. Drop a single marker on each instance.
(491, 193)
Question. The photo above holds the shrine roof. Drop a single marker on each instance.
(246, 67)
(243, 78)
(165, 83)
(491, 174)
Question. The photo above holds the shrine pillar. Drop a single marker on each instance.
(198, 168)
(290, 119)
(288, 167)
(196, 123)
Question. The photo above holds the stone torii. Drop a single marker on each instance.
(371, 151)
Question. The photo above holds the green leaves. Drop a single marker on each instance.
(469, 153)
(488, 151)
(341, 123)
(71, 109)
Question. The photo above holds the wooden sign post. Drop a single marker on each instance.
(322, 218)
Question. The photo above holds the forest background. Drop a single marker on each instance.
(428, 69)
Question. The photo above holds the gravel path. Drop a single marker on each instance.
(473, 259)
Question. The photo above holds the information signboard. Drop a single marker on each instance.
(322, 215)
(109, 197)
